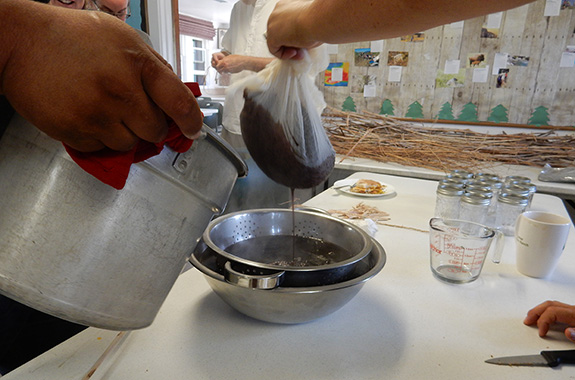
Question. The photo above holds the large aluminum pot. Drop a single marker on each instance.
(78, 249)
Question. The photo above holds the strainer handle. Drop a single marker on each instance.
(267, 281)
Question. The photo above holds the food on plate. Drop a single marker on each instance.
(368, 186)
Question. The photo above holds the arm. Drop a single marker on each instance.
(306, 24)
(549, 313)
(235, 63)
(89, 92)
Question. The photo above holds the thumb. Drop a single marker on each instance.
(570, 333)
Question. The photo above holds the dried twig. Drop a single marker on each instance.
(385, 139)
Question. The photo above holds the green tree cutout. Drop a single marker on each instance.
(415, 110)
(348, 105)
(468, 113)
(498, 114)
(446, 112)
(387, 108)
(539, 117)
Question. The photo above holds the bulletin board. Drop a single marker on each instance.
(513, 67)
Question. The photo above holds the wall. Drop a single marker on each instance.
(161, 29)
(538, 83)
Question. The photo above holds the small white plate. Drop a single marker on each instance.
(345, 186)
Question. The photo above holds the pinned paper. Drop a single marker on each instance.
(500, 62)
(476, 60)
(377, 45)
(394, 74)
(552, 8)
(494, 20)
(332, 49)
(366, 57)
(369, 91)
(337, 74)
(567, 60)
(452, 66)
(568, 57)
(397, 58)
(481, 74)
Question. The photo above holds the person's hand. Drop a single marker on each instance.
(285, 35)
(89, 80)
(231, 64)
(217, 57)
(550, 312)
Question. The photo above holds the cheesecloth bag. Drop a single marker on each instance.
(281, 121)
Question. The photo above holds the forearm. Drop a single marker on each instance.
(365, 20)
(256, 63)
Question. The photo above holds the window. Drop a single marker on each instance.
(196, 45)
(194, 65)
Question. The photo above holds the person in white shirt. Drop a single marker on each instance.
(244, 52)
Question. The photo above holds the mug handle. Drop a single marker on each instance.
(499, 243)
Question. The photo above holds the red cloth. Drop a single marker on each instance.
(112, 167)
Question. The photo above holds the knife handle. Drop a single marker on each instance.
(554, 358)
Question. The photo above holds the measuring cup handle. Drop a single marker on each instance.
(499, 243)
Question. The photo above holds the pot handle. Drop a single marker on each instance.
(265, 281)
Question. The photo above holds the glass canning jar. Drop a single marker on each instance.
(447, 201)
(510, 207)
(474, 206)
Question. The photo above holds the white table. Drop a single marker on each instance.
(403, 324)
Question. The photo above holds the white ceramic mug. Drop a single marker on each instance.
(540, 238)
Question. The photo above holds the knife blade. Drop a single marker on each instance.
(544, 359)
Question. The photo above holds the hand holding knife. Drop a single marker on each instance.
(544, 359)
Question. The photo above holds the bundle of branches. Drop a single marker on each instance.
(386, 139)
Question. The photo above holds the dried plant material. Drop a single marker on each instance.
(362, 211)
(404, 227)
(385, 139)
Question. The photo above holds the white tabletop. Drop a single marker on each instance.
(403, 324)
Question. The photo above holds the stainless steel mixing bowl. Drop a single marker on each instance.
(288, 305)
(351, 242)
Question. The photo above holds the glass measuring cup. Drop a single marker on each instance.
(458, 249)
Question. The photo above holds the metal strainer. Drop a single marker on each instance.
(266, 235)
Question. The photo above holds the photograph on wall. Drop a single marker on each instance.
(360, 81)
(489, 32)
(417, 37)
(502, 78)
(397, 58)
(450, 80)
(517, 60)
(568, 4)
(476, 60)
(337, 74)
(366, 58)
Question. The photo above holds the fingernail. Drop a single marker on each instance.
(571, 332)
